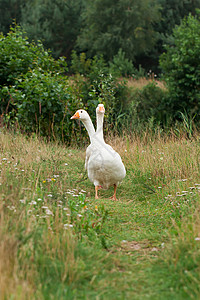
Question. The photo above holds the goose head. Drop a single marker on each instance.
(100, 109)
(80, 114)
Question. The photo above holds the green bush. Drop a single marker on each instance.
(93, 83)
(181, 66)
(34, 92)
(80, 64)
(148, 104)
(44, 104)
(121, 66)
(17, 56)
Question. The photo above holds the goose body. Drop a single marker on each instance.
(103, 164)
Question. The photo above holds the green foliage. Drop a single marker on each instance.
(80, 64)
(17, 56)
(33, 90)
(44, 104)
(181, 67)
(99, 86)
(173, 12)
(36, 94)
(9, 10)
(109, 26)
(138, 27)
(56, 23)
(121, 66)
(149, 105)
(86, 66)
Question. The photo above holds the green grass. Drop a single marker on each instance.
(58, 242)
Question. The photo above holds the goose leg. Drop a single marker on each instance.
(96, 192)
(114, 195)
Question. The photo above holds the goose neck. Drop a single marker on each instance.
(99, 130)
(89, 127)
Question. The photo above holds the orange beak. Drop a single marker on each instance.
(101, 108)
(75, 116)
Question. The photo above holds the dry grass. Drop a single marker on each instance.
(22, 164)
(141, 82)
(166, 158)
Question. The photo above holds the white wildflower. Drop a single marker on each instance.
(68, 225)
(32, 202)
(22, 201)
(48, 212)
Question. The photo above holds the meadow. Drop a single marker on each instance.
(58, 242)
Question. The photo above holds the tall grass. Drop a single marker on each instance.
(32, 235)
(58, 242)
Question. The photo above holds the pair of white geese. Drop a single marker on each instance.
(103, 164)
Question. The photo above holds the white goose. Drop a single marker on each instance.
(113, 161)
(104, 165)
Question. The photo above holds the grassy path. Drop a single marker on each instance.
(58, 242)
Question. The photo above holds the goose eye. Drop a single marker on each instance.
(81, 111)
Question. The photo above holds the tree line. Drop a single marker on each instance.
(135, 29)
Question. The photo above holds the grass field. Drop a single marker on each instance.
(58, 242)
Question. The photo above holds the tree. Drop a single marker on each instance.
(56, 23)
(173, 11)
(9, 10)
(181, 66)
(110, 25)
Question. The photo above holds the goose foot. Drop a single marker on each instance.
(114, 195)
(96, 191)
(113, 198)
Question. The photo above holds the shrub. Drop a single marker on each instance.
(80, 64)
(121, 66)
(44, 104)
(181, 66)
(148, 104)
(17, 57)
(34, 90)
(93, 83)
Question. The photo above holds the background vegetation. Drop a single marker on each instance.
(138, 28)
(39, 93)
